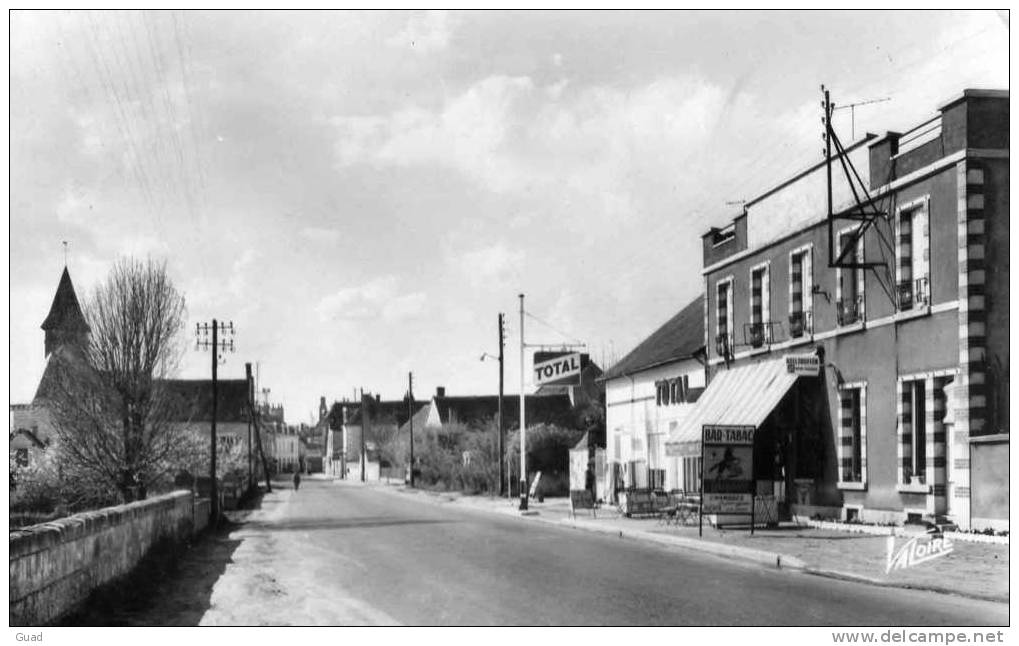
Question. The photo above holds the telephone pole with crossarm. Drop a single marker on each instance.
(203, 331)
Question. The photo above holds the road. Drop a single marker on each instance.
(346, 555)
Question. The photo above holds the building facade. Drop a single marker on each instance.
(906, 418)
(648, 393)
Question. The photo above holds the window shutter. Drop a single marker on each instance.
(808, 281)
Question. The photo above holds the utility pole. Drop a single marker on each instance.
(410, 417)
(502, 450)
(828, 109)
(523, 418)
(364, 429)
(202, 342)
(251, 421)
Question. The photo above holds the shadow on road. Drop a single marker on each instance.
(171, 587)
(340, 523)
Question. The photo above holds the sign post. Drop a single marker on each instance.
(727, 471)
(558, 368)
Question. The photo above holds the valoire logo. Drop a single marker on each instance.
(916, 551)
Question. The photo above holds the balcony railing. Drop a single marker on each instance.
(914, 293)
(757, 335)
(849, 311)
(801, 324)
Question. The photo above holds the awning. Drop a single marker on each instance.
(743, 396)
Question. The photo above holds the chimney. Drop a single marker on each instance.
(378, 398)
(440, 391)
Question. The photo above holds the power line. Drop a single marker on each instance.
(557, 331)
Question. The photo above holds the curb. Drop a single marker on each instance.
(857, 578)
(760, 557)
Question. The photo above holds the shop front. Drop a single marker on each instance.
(781, 403)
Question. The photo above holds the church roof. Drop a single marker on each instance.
(65, 312)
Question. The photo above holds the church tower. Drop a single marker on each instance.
(65, 324)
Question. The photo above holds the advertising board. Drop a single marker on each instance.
(728, 473)
(808, 365)
(558, 368)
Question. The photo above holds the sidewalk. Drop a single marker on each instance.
(972, 569)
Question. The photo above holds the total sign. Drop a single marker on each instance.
(558, 369)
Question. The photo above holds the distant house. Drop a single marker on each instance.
(311, 447)
(346, 426)
(540, 408)
(192, 410)
(647, 395)
(25, 445)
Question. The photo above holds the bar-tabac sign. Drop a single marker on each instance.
(728, 469)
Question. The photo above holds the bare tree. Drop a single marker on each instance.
(113, 411)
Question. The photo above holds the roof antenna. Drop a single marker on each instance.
(65, 253)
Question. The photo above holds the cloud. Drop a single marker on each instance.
(239, 272)
(75, 207)
(598, 145)
(489, 264)
(469, 134)
(403, 307)
(425, 32)
(321, 234)
(376, 299)
(141, 246)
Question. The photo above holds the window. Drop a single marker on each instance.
(913, 256)
(849, 297)
(656, 466)
(760, 306)
(801, 288)
(692, 474)
(913, 431)
(853, 433)
(723, 318)
(721, 236)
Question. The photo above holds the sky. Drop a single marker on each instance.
(362, 193)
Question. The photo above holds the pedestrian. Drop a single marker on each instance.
(297, 480)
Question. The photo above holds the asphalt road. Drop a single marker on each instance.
(344, 555)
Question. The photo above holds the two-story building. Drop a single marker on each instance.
(647, 394)
(895, 405)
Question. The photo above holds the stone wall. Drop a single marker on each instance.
(55, 566)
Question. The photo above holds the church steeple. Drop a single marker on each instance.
(65, 324)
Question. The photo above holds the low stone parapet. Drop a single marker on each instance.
(55, 566)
